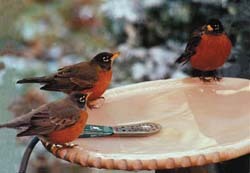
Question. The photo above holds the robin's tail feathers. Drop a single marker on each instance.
(2, 125)
(7, 125)
(35, 80)
(16, 124)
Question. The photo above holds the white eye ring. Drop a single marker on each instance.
(105, 59)
(82, 99)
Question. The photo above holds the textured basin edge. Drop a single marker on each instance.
(182, 159)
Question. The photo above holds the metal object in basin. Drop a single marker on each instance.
(130, 130)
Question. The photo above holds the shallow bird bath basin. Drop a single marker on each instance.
(201, 123)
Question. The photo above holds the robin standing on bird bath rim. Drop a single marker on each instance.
(207, 50)
(58, 122)
(94, 76)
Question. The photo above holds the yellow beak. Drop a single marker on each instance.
(115, 55)
(209, 28)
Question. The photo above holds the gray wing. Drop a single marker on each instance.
(190, 49)
(75, 77)
(46, 120)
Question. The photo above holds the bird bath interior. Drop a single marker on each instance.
(201, 123)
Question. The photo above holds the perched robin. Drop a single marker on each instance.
(58, 122)
(94, 76)
(207, 50)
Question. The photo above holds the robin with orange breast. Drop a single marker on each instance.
(94, 76)
(207, 50)
(58, 122)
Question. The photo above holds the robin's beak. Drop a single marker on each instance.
(115, 55)
(209, 28)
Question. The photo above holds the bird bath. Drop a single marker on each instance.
(201, 123)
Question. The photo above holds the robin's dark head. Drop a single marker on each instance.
(214, 26)
(79, 99)
(105, 59)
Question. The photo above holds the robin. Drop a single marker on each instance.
(94, 76)
(207, 50)
(58, 122)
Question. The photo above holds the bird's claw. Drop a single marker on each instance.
(96, 104)
(205, 79)
(55, 147)
(70, 145)
(58, 146)
(209, 79)
(217, 78)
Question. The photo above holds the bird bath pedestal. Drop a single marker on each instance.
(202, 123)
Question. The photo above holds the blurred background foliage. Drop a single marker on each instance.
(39, 36)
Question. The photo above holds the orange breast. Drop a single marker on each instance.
(104, 79)
(212, 52)
(70, 133)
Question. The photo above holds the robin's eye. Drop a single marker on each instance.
(216, 26)
(82, 99)
(105, 59)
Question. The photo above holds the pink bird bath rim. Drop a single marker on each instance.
(201, 123)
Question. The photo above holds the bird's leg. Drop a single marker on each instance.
(200, 74)
(214, 75)
(57, 146)
(95, 104)
(207, 76)
(54, 147)
(66, 145)
(205, 79)
(70, 145)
